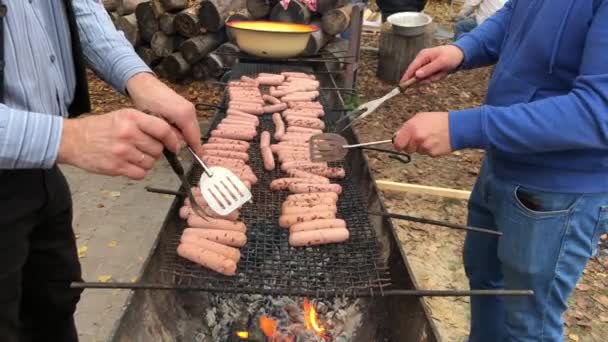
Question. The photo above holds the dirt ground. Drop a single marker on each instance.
(587, 318)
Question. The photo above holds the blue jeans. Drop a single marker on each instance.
(547, 240)
(463, 26)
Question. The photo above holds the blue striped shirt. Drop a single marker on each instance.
(39, 73)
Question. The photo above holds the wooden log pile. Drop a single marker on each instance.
(189, 38)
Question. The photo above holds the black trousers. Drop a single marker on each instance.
(38, 257)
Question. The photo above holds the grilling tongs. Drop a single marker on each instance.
(369, 107)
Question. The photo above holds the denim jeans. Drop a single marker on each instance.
(463, 26)
(547, 240)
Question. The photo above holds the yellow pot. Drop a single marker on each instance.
(271, 39)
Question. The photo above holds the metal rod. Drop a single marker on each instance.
(164, 191)
(369, 143)
(200, 161)
(379, 293)
(218, 83)
(436, 223)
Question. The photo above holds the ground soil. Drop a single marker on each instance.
(434, 253)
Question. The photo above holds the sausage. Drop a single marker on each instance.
(266, 74)
(275, 108)
(225, 237)
(241, 84)
(287, 166)
(296, 80)
(276, 148)
(227, 251)
(265, 139)
(243, 119)
(236, 120)
(228, 142)
(296, 137)
(300, 96)
(283, 183)
(241, 127)
(279, 129)
(218, 161)
(271, 99)
(268, 158)
(297, 75)
(286, 221)
(317, 225)
(227, 154)
(306, 122)
(329, 172)
(291, 210)
(207, 258)
(196, 221)
(189, 212)
(303, 174)
(241, 113)
(300, 114)
(184, 212)
(318, 237)
(274, 92)
(306, 203)
(312, 196)
(311, 187)
(297, 87)
(317, 112)
(293, 143)
(270, 80)
(247, 108)
(225, 147)
(285, 156)
(247, 79)
(297, 129)
(244, 97)
(232, 134)
(304, 104)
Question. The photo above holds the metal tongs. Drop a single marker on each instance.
(332, 147)
(369, 107)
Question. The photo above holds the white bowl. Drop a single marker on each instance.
(409, 23)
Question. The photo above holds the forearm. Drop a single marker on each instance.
(106, 50)
(28, 140)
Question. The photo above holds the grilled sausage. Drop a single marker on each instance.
(232, 134)
(237, 120)
(318, 237)
(304, 104)
(298, 75)
(196, 221)
(247, 108)
(271, 99)
(317, 225)
(247, 79)
(305, 122)
(279, 129)
(286, 221)
(274, 92)
(241, 113)
(265, 139)
(312, 196)
(225, 237)
(316, 112)
(218, 161)
(228, 141)
(227, 251)
(296, 164)
(270, 81)
(303, 174)
(275, 108)
(268, 158)
(207, 258)
(225, 147)
(283, 183)
(188, 211)
(297, 129)
(329, 172)
(292, 210)
(245, 128)
(300, 96)
(309, 187)
(305, 203)
(227, 154)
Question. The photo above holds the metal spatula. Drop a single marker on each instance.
(332, 147)
(369, 107)
(222, 189)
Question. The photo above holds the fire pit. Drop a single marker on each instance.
(280, 293)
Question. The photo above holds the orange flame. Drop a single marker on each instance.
(310, 318)
(242, 334)
(268, 326)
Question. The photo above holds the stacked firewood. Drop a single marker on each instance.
(188, 38)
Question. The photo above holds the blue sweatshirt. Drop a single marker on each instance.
(544, 123)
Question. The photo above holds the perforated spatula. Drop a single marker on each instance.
(222, 189)
(328, 147)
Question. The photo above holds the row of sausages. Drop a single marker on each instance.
(213, 241)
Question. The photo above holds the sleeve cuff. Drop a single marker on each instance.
(467, 44)
(126, 64)
(467, 129)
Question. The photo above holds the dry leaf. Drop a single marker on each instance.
(113, 244)
(115, 194)
(134, 279)
(573, 337)
(168, 196)
(602, 300)
(104, 278)
(603, 318)
(82, 251)
(583, 287)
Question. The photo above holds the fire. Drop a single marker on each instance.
(268, 326)
(310, 318)
(242, 334)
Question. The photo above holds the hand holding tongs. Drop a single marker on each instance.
(369, 107)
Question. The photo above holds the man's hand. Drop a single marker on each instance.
(151, 95)
(425, 133)
(126, 142)
(434, 64)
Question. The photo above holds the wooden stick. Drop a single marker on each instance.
(147, 21)
(296, 12)
(417, 189)
(128, 25)
(174, 5)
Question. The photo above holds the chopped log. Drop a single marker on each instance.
(175, 66)
(260, 8)
(337, 20)
(296, 12)
(224, 57)
(147, 21)
(396, 52)
(187, 22)
(110, 5)
(128, 25)
(213, 13)
(166, 23)
(197, 48)
(126, 7)
(199, 71)
(317, 39)
(157, 7)
(242, 15)
(148, 56)
(163, 45)
(174, 6)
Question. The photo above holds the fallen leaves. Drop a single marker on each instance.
(82, 251)
(573, 337)
(602, 299)
(113, 244)
(104, 278)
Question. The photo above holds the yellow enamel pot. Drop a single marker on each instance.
(270, 39)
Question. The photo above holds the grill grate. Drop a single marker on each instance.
(268, 264)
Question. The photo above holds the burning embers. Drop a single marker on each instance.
(309, 318)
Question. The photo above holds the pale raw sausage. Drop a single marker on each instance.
(318, 237)
(225, 237)
(265, 139)
(196, 221)
(207, 258)
(279, 129)
(317, 224)
(227, 154)
(286, 221)
(268, 158)
(227, 251)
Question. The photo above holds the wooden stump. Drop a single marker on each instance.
(174, 5)
(213, 13)
(242, 15)
(126, 7)
(110, 5)
(148, 56)
(197, 48)
(317, 39)
(199, 71)
(157, 7)
(175, 67)
(147, 21)
(128, 25)
(337, 20)
(397, 52)
(187, 22)
(296, 12)
(163, 45)
(260, 8)
(166, 23)
(223, 57)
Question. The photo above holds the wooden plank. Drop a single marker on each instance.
(417, 189)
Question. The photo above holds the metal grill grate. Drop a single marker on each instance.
(268, 264)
